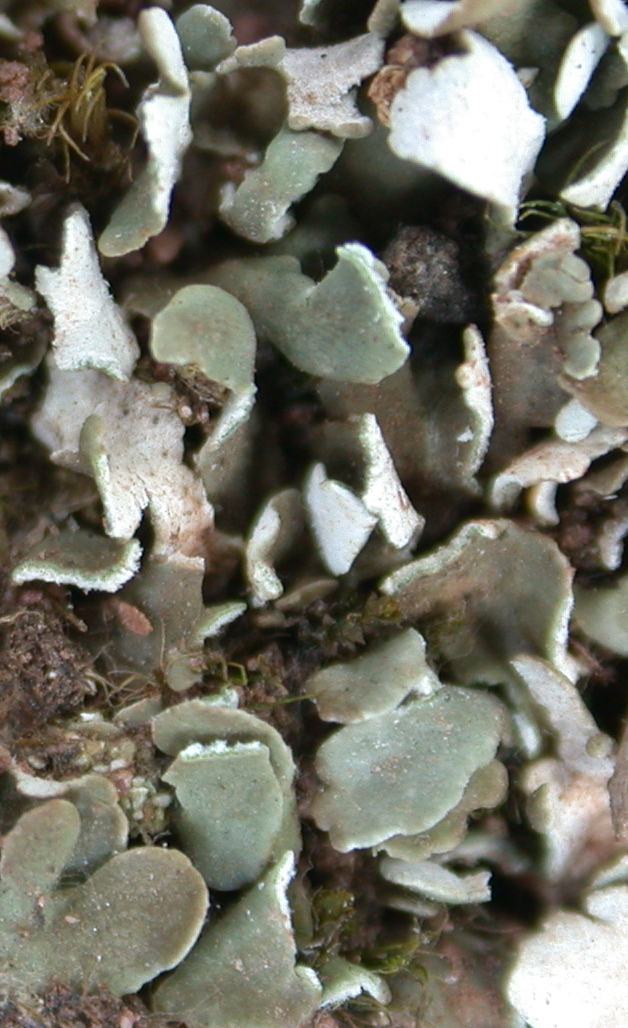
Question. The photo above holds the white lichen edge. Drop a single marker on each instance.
(580, 59)
(272, 534)
(89, 327)
(468, 118)
(437, 17)
(554, 462)
(343, 981)
(163, 114)
(474, 378)
(572, 973)
(341, 523)
(383, 494)
(108, 579)
(612, 15)
(596, 186)
(320, 81)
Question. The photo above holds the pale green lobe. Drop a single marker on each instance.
(104, 829)
(480, 593)
(486, 789)
(226, 456)
(164, 119)
(243, 972)
(199, 721)
(169, 593)
(375, 682)
(258, 208)
(147, 904)
(605, 393)
(34, 854)
(229, 812)
(206, 328)
(80, 558)
(344, 327)
(206, 37)
(577, 737)
(602, 614)
(395, 774)
(137, 916)
(437, 882)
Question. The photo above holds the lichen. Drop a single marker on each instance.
(313, 504)
(74, 932)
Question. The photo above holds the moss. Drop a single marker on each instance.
(604, 239)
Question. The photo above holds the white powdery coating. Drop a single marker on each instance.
(566, 715)
(163, 114)
(435, 17)
(579, 61)
(474, 378)
(7, 255)
(341, 524)
(344, 981)
(615, 293)
(198, 750)
(272, 534)
(555, 461)
(90, 330)
(611, 14)
(573, 423)
(164, 111)
(468, 118)
(63, 568)
(320, 83)
(383, 494)
(127, 436)
(572, 974)
(596, 187)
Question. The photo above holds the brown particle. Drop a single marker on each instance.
(130, 616)
(404, 56)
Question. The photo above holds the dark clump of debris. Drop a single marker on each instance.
(41, 666)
